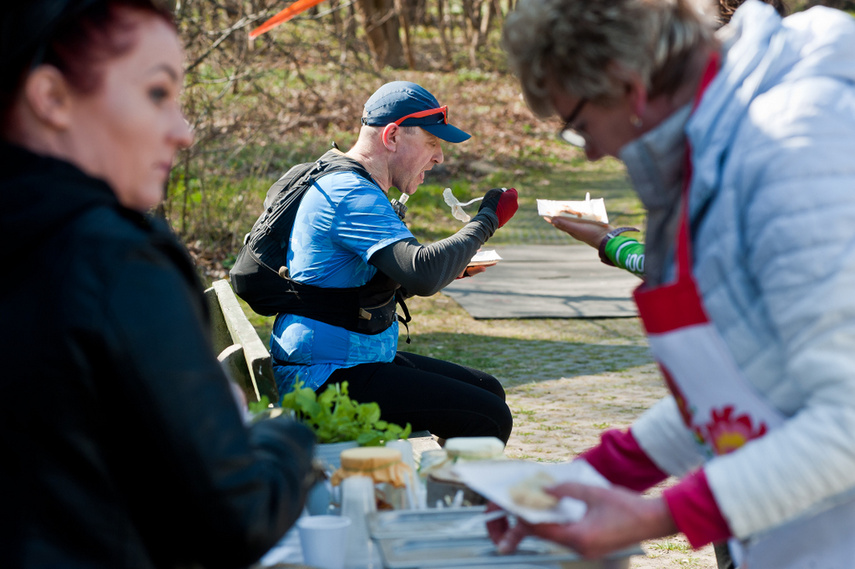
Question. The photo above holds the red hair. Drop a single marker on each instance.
(82, 46)
(79, 46)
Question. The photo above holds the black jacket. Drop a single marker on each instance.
(121, 444)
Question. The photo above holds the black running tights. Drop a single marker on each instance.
(447, 399)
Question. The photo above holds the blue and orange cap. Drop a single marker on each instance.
(408, 104)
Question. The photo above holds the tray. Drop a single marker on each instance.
(420, 553)
(426, 524)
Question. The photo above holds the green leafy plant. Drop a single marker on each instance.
(335, 417)
(261, 406)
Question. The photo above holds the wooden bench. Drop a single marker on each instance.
(239, 348)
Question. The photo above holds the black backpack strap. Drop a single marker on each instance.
(405, 320)
(260, 275)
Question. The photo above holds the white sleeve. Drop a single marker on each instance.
(662, 435)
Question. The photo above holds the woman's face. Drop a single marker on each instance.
(606, 129)
(129, 130)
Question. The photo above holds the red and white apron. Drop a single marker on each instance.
(724, 411)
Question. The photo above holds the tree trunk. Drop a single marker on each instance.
(405, 26)
(381, 28)
(480, 19)
(498, 12)
(443, 34)
(338, 26)
(417, 12)
(469, 19)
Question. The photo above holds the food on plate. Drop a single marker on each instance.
(529, 492)
(569, 212)
(593, 211)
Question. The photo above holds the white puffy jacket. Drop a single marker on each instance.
(772, 206)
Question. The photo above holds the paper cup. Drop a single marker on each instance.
(324, 540)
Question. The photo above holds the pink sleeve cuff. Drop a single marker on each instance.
(695, 511)
(619, 458)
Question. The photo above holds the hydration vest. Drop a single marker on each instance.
(260, 274)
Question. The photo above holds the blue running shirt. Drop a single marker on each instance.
(342, 220)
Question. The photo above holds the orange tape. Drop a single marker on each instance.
(283, 16)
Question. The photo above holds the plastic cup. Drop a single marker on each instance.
(324, 540)
(414, 487)
(357, 502)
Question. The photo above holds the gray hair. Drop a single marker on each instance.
(586, 47)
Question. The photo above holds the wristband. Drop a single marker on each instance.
(607, 238)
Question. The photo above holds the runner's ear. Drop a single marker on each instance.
(391, 136)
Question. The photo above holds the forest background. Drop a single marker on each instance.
(257, 107)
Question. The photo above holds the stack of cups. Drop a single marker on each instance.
(357, 502)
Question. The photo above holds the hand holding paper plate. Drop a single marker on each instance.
(485, 258)
(592, 211)
(496, 481)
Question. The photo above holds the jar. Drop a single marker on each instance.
(474, 448)
(393, 480)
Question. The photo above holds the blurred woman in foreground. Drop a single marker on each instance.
(741, 152)
(121, 440)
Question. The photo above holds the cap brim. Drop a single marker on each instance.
(447, 132)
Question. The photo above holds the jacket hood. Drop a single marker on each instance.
(40, 193)
(762, 51)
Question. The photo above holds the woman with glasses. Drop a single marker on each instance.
(615, 248)
(122, 442)
(345, 234)
(740, 147)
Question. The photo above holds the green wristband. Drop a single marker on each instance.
(613, 233)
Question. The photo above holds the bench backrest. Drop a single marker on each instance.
(240, 349)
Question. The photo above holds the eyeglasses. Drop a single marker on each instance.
(443, 109)
(568, 132)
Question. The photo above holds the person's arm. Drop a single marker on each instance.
(615, 249)
(625, 253)
(623, 462)
(615, 518)
(230, 492)
(424, 270)
(618, 517)
(695, 511)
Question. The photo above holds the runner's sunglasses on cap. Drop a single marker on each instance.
(408, 104)
(427, 113)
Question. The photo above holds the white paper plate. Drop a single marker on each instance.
(485, 257)
(595, 208)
